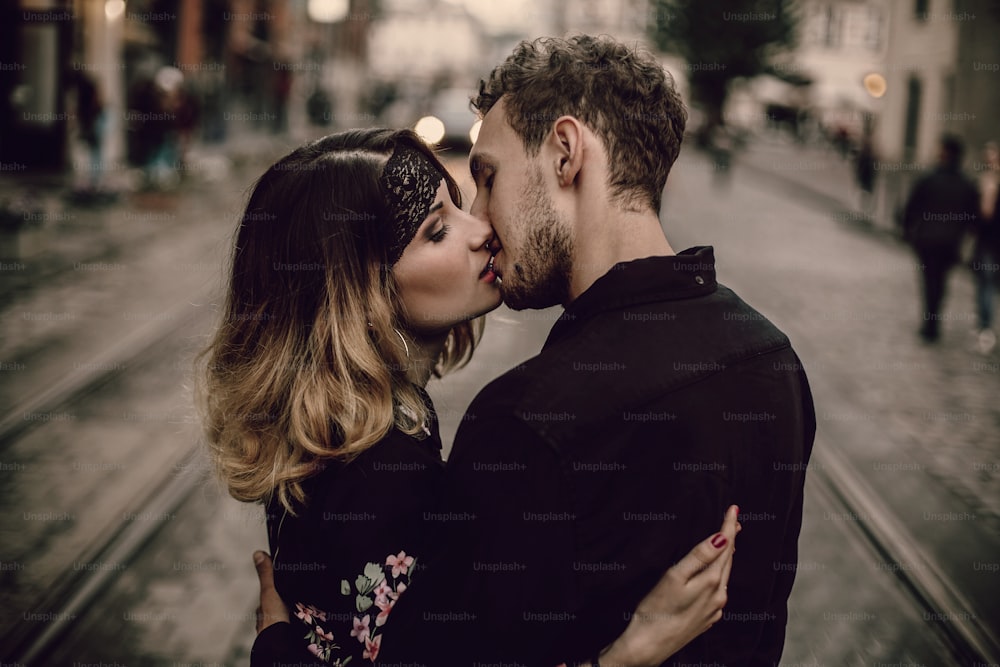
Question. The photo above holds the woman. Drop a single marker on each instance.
(356, 276)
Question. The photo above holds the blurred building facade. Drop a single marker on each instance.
(237, 59)
(904, 71)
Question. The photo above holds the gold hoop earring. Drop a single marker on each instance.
(405, 346)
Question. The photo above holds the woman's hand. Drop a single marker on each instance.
(272, 609)
(686, 601)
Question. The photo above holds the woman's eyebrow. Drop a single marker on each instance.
(434, 207)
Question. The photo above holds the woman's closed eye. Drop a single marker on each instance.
(439, 235)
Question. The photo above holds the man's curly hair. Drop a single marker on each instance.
(621, 93)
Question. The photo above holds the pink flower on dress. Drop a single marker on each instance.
(328, 636)
(372, 648)
(306, 612)
(382, 594)
(400, 563)
(361, 630)
(384, 614)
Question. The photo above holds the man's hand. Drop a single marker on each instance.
(272, 608)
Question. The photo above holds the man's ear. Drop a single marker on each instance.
(567, 143)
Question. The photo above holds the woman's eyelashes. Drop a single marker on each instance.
(442, 231)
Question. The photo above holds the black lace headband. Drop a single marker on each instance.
(410, 182)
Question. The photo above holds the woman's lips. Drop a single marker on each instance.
(490, 273)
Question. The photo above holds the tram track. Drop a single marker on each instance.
(936, 595)
(82, 576)
(99, 369)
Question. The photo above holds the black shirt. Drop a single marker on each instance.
(578, 477)
(658, 399)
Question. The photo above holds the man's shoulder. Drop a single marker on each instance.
(628, 355)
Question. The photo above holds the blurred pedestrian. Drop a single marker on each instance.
(282, 93)
(153, 107)
(91, 122)
(986, 256)
(942, 207)
(187, 114)
(841, 140)
(164, 166)
(864, 172)
(721, 148)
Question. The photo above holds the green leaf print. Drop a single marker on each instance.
(374, 572)
(345, 587)
(362, 603)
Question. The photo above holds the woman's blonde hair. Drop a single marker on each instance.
(306, 365)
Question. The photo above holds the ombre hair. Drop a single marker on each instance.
(306, 365)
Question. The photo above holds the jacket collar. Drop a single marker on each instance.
(690, 273)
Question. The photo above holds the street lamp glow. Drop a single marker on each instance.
(113, 9)
(875, 84)
(430, 129)
(328, 11)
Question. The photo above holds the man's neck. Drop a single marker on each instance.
(619, 237)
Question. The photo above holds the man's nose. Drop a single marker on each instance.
(478, 209)
(481, 232)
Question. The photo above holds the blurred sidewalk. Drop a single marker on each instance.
(819, 176)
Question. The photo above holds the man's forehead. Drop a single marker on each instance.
(491, 142)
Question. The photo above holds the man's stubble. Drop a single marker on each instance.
(541, 277)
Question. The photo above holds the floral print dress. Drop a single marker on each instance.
(342, 561)
(374, 592)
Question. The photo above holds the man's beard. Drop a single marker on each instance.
(541, 276)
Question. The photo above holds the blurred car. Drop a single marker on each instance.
(450, 121)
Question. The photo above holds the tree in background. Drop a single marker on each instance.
(722, 40)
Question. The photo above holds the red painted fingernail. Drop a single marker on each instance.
(719, 541)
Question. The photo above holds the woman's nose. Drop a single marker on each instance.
(481, 232)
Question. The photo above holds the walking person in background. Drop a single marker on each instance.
(986, 257)
(92, 126)
(864, 172)
(942, 207)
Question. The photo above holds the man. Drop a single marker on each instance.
(658, 399)
(942, 207)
